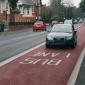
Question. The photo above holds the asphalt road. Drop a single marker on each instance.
(43, 66)
(13, 43)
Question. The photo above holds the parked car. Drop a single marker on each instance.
(75, 21)
(54, 22)
(69, 21)
(80, 20)
(39, 25)
(62, 34)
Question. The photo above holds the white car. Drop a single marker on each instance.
(68, 22)
(62, 34)
(54, 22)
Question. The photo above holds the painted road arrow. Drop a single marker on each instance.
(43, 66)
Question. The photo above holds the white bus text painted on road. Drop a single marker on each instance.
(46, 54)
(42, 61)
(53, 61)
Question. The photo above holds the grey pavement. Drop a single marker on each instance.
(81, 76)
(13, 43)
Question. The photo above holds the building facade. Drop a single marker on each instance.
(27, 11)
(26, 7)
(4, 10)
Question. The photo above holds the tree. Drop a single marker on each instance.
(13, 4)
(82, 5)
(56, 6)
(13, 7)
(68, 9)
(76, 12)
(57, 9)
(46, 13)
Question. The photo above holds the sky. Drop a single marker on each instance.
(75, 2)
(47, 2)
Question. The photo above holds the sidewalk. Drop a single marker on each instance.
(81, 76)
(19, 27)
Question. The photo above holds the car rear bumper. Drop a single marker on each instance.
(39, 28)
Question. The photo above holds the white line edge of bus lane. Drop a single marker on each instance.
(68, 55)
(20, 54)
(74, 75)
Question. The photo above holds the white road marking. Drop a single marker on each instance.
(68, 55)
(75, 72)
(45, 61)
(54, 62)
(46, 54)
(36, 61)
(59, 62)
(19, 55)
(55, 54)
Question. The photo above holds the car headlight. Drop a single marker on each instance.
(69, 37)
(49, 38)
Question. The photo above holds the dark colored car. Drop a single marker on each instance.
(62, 34)
(39, 25)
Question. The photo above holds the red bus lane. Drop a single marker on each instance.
(43, 66)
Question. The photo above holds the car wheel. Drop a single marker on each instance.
(48, 46)
(74, 43)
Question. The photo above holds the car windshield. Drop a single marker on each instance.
(39, 22)
(62, 28)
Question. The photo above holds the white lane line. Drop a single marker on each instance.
(19, 38)
(19, 55)
(68, 55)
(73, 77)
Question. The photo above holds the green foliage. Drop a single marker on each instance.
(82, 5)
(13, 3)
(58, 17)
(46, 14)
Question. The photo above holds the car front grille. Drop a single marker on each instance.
(59, 40)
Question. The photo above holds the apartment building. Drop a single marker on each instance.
(26, 8)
